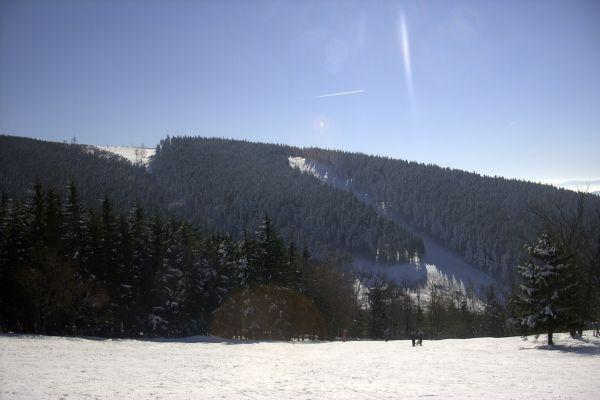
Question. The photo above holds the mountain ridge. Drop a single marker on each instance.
(230, 184)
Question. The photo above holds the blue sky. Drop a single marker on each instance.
(501, 88)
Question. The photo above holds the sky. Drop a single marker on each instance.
(501, 88)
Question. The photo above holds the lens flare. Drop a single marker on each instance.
(321, 124)
(404, 43)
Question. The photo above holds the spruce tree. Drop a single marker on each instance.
(35, 207)
(270, 254)
(13, 253)
(125, 290)
(53, 220)
(74, 224)
(548, 285)
(493, 315)
(156, 240)
(137, 235)
(292, 276)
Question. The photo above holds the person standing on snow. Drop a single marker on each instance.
(413, 337)
(420, 335)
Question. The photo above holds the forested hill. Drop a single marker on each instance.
(228, 186)
(218, 185)
(485, 219)
(233, 184)
(98, 174)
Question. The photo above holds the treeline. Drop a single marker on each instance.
(217, 186)
(441, 311)
(70, 269)
(122, 267)
(558, 288)
(223, 185)
(484, 219)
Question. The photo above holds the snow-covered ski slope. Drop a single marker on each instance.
(440, 265)
(40, 367)
(135, 155)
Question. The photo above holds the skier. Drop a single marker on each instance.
(420, 337)
(413, 337)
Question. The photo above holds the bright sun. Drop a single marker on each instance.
(320, 123)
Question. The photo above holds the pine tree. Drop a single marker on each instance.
(218, 273)
(270, 254)
(293, 277)
(153, 264)
(379, 312)
(125, 290)
(74, 224)
(248, 253)
(306, 272)
(193, 295)
(13, 254)
(35, 207)
(493, 315)
(548, 287)
(107, 266)
(53, 220)
(137, 235)
(169, 284)
(185, 290)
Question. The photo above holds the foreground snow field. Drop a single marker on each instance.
(39, 367)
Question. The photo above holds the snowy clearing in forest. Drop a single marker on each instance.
(135, 155)
(36, 367)
(440, 265)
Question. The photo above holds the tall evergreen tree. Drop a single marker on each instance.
(494, 314)
(548, 287)
(35, 207)
(292, 276)
(13, 254)
(156, 240)
(74, 224)
(137, 236)
(125, 273)
(270, 254)
(53, 221)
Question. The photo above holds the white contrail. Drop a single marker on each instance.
(338, 94)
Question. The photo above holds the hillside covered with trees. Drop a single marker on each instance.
(98, 174)
(227, 186)
(219, 186)
(217, 236)
(70, 269)
(232, 184)
(484, 219)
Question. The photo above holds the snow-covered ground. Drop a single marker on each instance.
(439, 265)
(591, 185)
(323, 172)
(135, 155)
(38, 367)
(305, 166)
